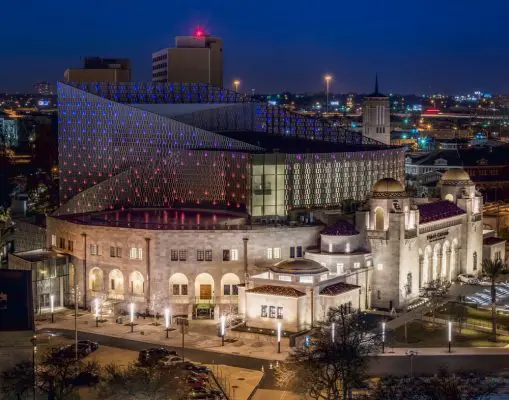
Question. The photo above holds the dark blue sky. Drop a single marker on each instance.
(272, 45)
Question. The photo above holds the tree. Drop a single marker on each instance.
(442, 386)
(137, 383)
(55, 376)
(493, 270)
(326, 367)
(436, 291)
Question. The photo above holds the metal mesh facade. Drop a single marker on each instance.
(114, 154)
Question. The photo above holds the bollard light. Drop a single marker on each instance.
(333, 331)
(383, 337)
(131, 308)
(96, 306)
(279, 337)
(223, 328)
(449, 326)
(167, 320)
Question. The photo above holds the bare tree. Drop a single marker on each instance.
(139, 383)
(436, 291)
(331, 364)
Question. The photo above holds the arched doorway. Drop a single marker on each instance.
(379, 219)
(116, 284)
(204, 288)
(136, 283)
(96, 280)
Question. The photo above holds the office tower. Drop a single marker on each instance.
(97, 69)
(43, 88)
(194, 59)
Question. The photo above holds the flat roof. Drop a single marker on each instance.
(39, 255)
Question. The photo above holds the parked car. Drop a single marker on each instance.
(86, 379)
(93, 346)
(468, 278)
(85, 347)
(171, 360)
(154, 354)
(196, 368)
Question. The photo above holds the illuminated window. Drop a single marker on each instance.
(234, 254)
(94, 249)
(272, 312)
(277, 252)
(200, 255)
(182, 255)
(285, 278)
(357, 265)
(54, 240)
(208, 255)
(136, 253)
(306, 279)
(264, 312)
(269, 253)
(340, 268)
(174, 255)
(380, 267)
(280, 313)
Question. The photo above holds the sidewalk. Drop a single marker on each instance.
(442, 351)
(201, 335)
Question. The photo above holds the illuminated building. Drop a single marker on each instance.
(97, 69)
(376, 116)
(194, 59)
(43, 88)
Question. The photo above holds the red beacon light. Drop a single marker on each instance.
(199, 32)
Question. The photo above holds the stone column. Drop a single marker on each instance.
(439, 265)
(421, 270)
(447, 262)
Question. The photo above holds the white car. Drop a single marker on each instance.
(171, 360)
(468, 278)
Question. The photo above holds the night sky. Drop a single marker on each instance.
(415, 46)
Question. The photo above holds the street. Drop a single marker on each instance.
(381, 365)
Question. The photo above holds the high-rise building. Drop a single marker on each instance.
(43, 88)
(376, 116)
(97, 69)
(194, 59)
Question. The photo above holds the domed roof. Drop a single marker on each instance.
(454, 175)
(388, 187)
(298, 266)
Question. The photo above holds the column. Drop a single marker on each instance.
(447, 262)
(421, 271)
(439, 265)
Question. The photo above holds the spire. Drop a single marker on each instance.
(376, 84)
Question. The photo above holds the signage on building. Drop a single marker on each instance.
(433, 237)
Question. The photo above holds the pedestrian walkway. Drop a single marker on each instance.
(441, 351)
(198, 335)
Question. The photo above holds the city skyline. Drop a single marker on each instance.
(436, 48)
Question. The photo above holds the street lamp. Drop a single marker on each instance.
(279, 337)
(223, 328)
(236, 84)
(52, 304)
(328, 78)
(131, 309)
(167, 320)
(411, 354)
(333, 331)
(34, 364)
(96, 306)
(383, 337)
(449, 327)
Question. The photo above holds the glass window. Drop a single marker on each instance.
(292, 252)
(62, 243)
(285, 278)
(272, 312)
(235, 290)
(113, 284)
(226, 254)
(380, 267)
(183, 289)
(135, 253)
(174, 255)
(323, 277)
(280, 313)
(94, 249)
(357, 265)
(475, 261)
(234, 254)
(200, 255)
(340, 268)
(182, 255)
(208, 255)
(299, 251)
(226, 290)
(112, 251)
(277, 252)
(118, 251)
(53, 240)
(306, 279)
(176, 290)
(70, 244)
(269, 253)
(264, 311)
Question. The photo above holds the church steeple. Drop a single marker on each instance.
(376, 93)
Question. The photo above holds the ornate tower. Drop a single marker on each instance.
(376, 116)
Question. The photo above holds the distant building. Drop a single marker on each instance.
(194, 59)
(97, 69)
(376, 116)
(9, 132)
(43, 88)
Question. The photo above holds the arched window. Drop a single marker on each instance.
(475, 261)
(449, 197)
(409, 283)
(379, 219)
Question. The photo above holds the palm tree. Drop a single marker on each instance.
(493, 270)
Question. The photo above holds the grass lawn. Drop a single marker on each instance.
(476, 316)
(426, 334)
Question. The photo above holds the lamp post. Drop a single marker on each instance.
(279, 337)
(328, 78)
(449, 327)
(52, 305)
(96, 306)
(131, 309)
(167, 320)
(236, 84)
(333, 331)
(411, 354)
(34, 364)
(383, 337)
(223, 328)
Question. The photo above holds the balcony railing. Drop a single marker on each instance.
(372, 234)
